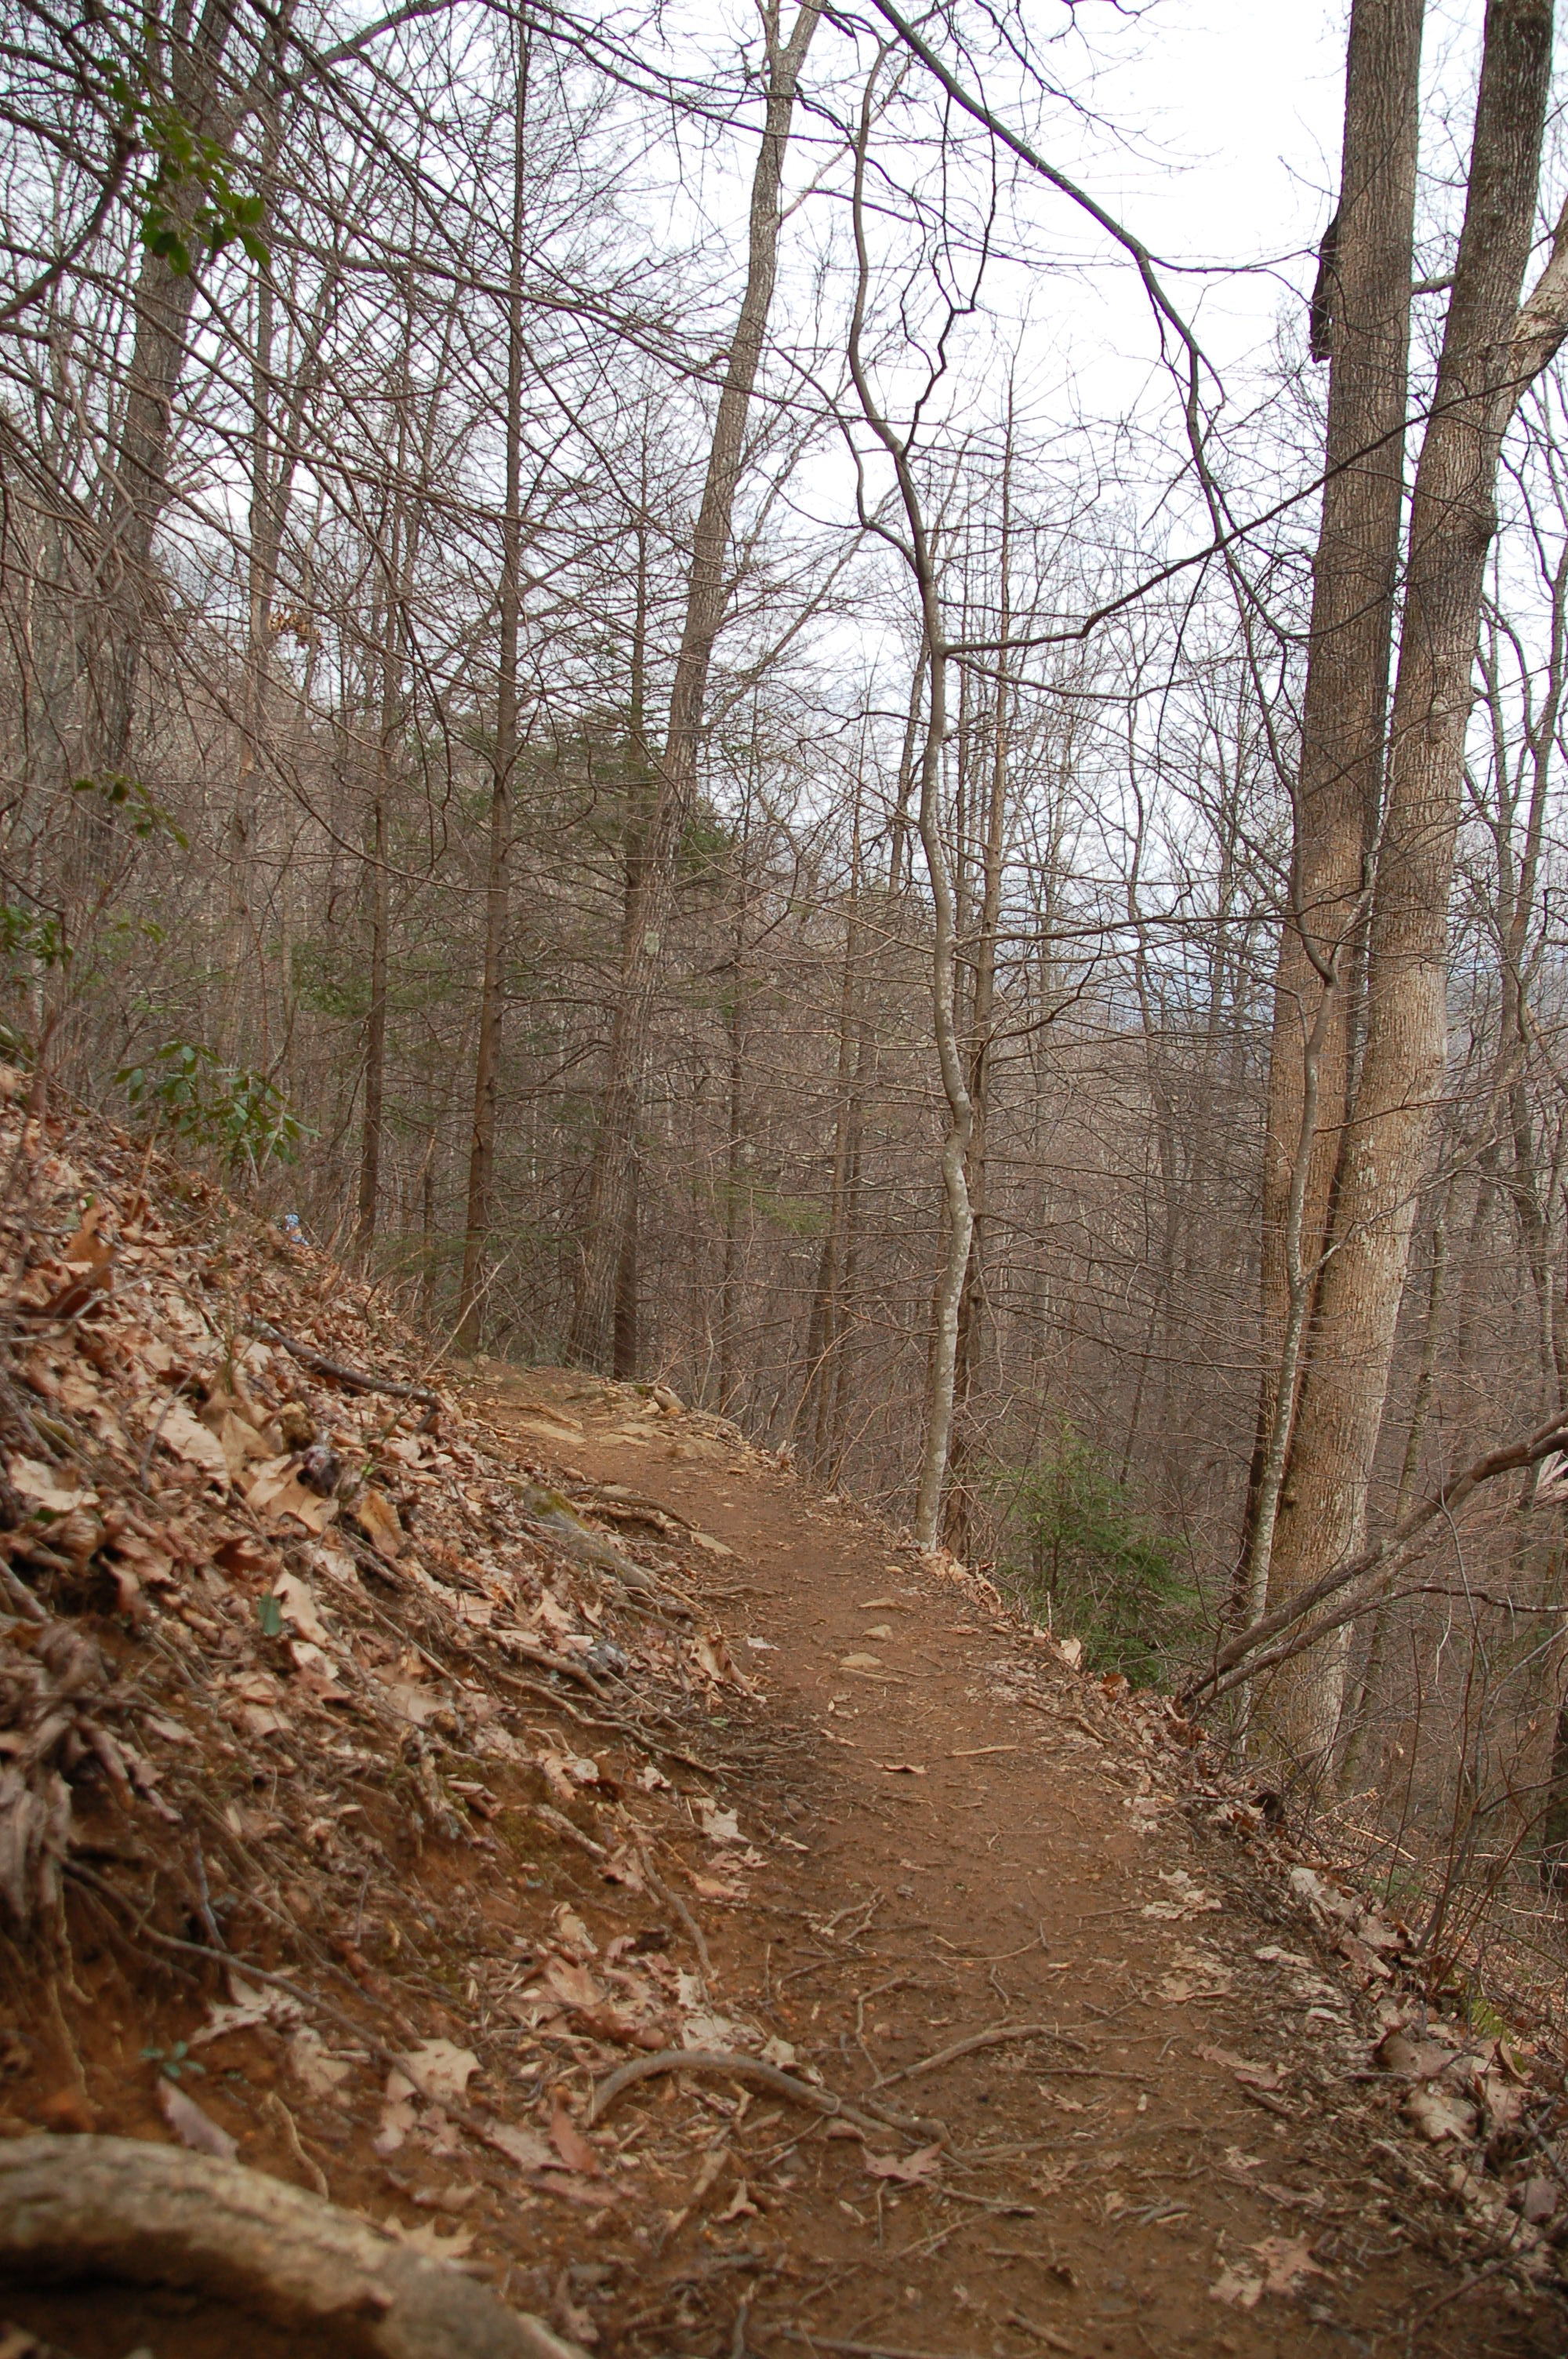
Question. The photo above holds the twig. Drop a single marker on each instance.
(662, 1891)
(748, 2068)
(543, 1656)
(993, 2036)
(273, 2103)
(357, 1379)
(856, 2350)
(559, 1823)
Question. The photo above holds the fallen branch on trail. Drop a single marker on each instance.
(1249, 1652)
(357, 1380)
(764, 2076)
(87, 2207)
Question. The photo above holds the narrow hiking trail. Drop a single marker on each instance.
(971, 1887)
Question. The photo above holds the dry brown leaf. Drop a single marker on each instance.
(191, 2126)
(189, 1438)
(40, 1486)
(571, 2146)
(902, 1768)
(441, 2070)
(1286, 2261)
(525, 2147)
(906, 2170)
(377, 1519)
(427, 2238)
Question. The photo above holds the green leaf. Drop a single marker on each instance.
(269, 1613)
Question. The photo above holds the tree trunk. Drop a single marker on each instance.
(958, 1219)
(959, 1522)
(497, 885)
(1488, 351)
(135, 482)
(1344, 713)
(611, 1180)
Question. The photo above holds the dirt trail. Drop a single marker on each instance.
(952, 1852)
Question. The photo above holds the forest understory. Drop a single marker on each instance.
(516, 1808)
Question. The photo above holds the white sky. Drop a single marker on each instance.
(1238, 103)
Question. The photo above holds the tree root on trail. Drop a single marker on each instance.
(993, 2038)
(765, 2076)
(152, 2214)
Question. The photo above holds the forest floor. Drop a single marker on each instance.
(579, 1741)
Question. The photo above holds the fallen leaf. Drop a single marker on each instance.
(1439, 2116)
(191, 2126)
(882, 1630)
(906, 2170)
(571, 2146)
(36, 1482)
(526, 2147)
(739, 2205)
(189, 1438)
(859, 1662)
(902, 1768)
(377, 1519)
(427, 2238)
(1286, 2261)
(720, 1826)
(296, 1604)
(438, 2070)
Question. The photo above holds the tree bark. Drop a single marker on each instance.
(1488, 352)
(610, 1179)
(497, 885)
(135, 483)
(1339, 787)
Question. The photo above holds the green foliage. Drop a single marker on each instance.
(31, 938)
(128, 795)
(1087, 1556)
(329, 982)
(189, 163)
(231, 1108)
(705, 844)
(174, 2062)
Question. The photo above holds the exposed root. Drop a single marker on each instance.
(154, 2216)
(764, 2076)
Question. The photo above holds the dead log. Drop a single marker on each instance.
(77, 2207)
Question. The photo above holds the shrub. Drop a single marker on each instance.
(1083, 1556)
